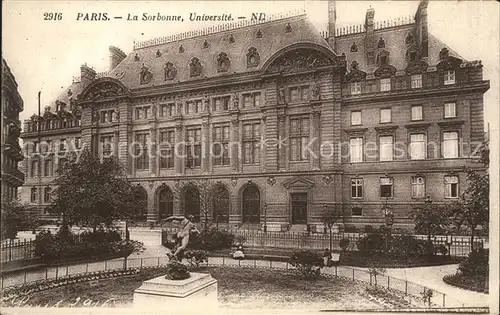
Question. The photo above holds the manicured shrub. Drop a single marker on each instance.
(475, 265)
(307, 262)
(374, 242)
(344, 244)
(212, 239)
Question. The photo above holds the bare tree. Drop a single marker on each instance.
(329, 218)
(204, 191)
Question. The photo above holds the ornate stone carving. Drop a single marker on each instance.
(178, 104)
(354, 65)
(223, 62)
(136, 57)
(444, 53)
(181, 49)
(206, 44)
(104, 90)
(314, 91)
(355, 75)
(120, 74)
(327, 179)
(449, 63)
(234, 181)
(416, 67)
(206, 104)
(385, 71)
(299, 60)
(409, 39)
(236, 101)
(231, 39)
(170, 71)
(146, 75)
(154, 109)
(354, 47)
(271, 181)
(281, 95)
(158, 53)
(195, 67)
(288, 28)
(259, 34)
(253, 57)
(381, 43)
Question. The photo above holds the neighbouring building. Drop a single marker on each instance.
(320, 118)
(12, 105)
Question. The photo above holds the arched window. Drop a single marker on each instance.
(251, 204)
(220, 205)
(33, 194)
(192, 203)
(165, 203)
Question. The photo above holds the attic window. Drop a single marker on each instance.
(181, 49)
(158, 53)
(259, 34)
(206, 44)
(381, 43)
(412, 56)
(231, 39)
(288, 28)
(354, 47)
(383, 60)
(409, 39)
(136, 58)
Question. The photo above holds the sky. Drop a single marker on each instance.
(46, 55)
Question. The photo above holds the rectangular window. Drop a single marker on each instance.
(299, 137)
(355, 88)
(385, 85)
(36, 147)
(418, 187)
(356, 188)
(386, 189)
(221, 103)
(47, 168)
(62, 145)
(78, 143)
(167, 147)
(193, 147)
(450, 110)
(188, 108)
(33, 194)
(198, 106)
(104, 116)
(451, 187)
(356, 149)
(416, 81)
(251, 100)
(167, 110)
(450, 145)
(35, 168)
(107, 145)
(356, 118)
(386, 148)
(47, 194)
(220, 145)
(357, 211)
(449, 77)
(251, 143)
(417, 146)
(294, 94)
(385, 115)
(417, 112)
(139, 113)
(142, 151)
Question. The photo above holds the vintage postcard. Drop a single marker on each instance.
(250, 157)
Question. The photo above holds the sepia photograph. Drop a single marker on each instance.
(250, 157)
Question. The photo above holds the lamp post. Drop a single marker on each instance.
(265, 217)
(449, 242)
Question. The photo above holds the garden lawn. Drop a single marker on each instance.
(240, 288)
(380, 260)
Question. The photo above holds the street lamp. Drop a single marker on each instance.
(265, 217)
(449, 242)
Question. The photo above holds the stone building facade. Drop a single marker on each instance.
(302, 123)
(12, 105)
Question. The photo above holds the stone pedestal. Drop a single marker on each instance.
(197, 293)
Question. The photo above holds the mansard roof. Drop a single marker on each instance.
(146, 67)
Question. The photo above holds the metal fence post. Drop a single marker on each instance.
(353, 274)
(335, 270)
(388, 282)
(255, 263)
(87, 268)
(444, 300)
(158, 262)
(105, 265)
(67, 271)
(57, 271)
(46, 271)
(270, 264)
(406, 286)
(239, 263)
(141, 263)
(223, 260)
(25, 277)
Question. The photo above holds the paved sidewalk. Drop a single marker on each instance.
(430, 277)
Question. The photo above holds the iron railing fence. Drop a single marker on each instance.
(459, 247)
(399, 286)
(12, 250)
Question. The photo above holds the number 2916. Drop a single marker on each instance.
(52, 16)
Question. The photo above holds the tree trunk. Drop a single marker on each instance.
(331, 241)
(472, 238)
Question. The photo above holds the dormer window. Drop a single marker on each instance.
(381, 43)
(355, 88)
(383, 60)
(223, 62)
(449, 77)
(412, 56)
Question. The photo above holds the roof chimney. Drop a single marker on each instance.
(87, 75)
(370, 37)
(332, 19)
(422, 28)
(116, 55)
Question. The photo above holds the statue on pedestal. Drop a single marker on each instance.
(181, 238)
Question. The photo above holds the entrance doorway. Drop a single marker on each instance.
(299, 208)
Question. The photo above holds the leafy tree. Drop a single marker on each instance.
(205, 191)
(92, 192)
(473, 207)
(430, 219)
(16, 217)
(329, 218)
(308, 263)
